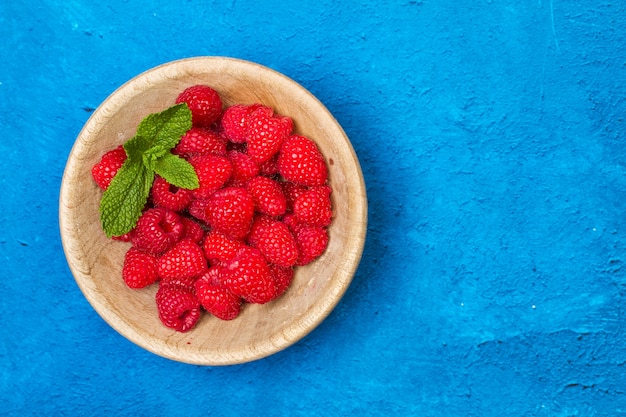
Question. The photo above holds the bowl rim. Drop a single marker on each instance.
(317, 312)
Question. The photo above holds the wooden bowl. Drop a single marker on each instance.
(96, 261)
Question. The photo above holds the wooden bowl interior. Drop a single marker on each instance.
(96, 261)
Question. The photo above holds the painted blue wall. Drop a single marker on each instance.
(491, 136)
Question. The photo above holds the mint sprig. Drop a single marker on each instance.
(148, 154)
(125, 198)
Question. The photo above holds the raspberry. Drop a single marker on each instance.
(301, 162)
(219, 247)
(214, 296)
(200, 141)
(244, 168)
(213, 171)
(267, 195)
(282, 278)
(186, 283)
(312, 242)
(275, 241)
(204, 102)
(139, 269)
(164, 194)
(230, 210)
(292, 192)
(266, 133)
(199, 210)
(235, 121)
(184, 260)
(313, 207)
(269, 168)
(157, 230)
(248, 276)
(191, 229)
(292, 222)
(178, 308)
(104, 171)
(126, 237)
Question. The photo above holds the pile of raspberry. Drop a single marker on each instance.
(262, 209)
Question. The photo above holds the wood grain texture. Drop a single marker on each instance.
(96, 261)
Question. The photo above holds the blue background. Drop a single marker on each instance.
(491, 137)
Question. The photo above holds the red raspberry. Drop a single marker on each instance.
(157, 230)
(313, 207)
(164, 194)
(266, 133)
(312, 242)
(186, 283)
(213, 171)
(200, 141)
(139, 269)
(191, 229)
(244, 168)
(301, 162)
(126, 237)
(269, 168)
(230, 210)
(275, 241)
(214, 296)
(178, 308)
(292, 192)
(220, 248)
(184, 260)
(292, 222)
(248, 276)
(282, 278)
(235, 121)
(204, 102)
(267, 195)
(104, 171)
(199, 209)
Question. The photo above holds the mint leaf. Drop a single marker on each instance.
(148, 154)
(152, 155)
(177, 171)
(166, 128)
(136, 147)
(125, 198)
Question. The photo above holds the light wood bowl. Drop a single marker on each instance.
(96, 261)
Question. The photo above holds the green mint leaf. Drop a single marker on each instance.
(177, 171)
(152, 155)
(167, 127)
(148, 154)
(124, 199)
(136, 147)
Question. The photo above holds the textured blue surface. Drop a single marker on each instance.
(491, 136)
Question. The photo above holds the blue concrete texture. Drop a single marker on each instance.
(491, 137)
